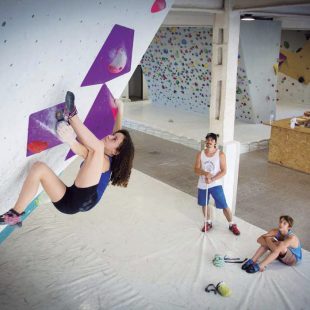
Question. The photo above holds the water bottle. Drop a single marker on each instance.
(293, 122)
(271, 118)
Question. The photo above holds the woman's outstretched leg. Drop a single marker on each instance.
(39, 173)
(85, 136)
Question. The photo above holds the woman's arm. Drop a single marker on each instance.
(85, 136)
(269, 235)
(79, 149)
(119, 117)
(67, 135)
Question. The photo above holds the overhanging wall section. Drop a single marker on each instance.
(47, 48)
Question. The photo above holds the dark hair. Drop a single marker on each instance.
(212, 135)
(288, 219)
(122, 162)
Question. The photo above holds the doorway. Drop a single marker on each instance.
(135, 85)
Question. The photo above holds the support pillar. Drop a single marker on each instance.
(225, 45)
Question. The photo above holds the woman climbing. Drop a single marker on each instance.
(106, 160)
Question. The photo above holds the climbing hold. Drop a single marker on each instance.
(37, 146)
(119, 60)
(158, 6)
(301, 79)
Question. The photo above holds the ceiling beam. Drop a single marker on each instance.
(195, 9)
(271, 13)
(261, 4)
(188, 19)
(294, 23)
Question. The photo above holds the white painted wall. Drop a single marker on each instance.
(145, 90)
(187, 19)
(46, 48)
(259, 47)
(243, 99)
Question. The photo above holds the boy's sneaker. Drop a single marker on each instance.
(70, 108)
(234, 229)
(11, 218)
(253, 268)
(247, 264)
(207, 227)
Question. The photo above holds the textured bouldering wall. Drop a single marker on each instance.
(48, 47)
(291, 90)
(177, 68)
(259, 51)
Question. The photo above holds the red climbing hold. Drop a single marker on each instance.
(37, 146)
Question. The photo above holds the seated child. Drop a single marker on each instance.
(282, 244)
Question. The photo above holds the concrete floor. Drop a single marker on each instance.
(140, 248)
(265, 190)
(187, 128)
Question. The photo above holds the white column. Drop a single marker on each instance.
(145, 95)
(225, 44)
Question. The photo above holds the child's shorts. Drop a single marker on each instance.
(218, 195)
(288, 259)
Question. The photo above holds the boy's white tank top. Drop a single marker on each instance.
(212, 165)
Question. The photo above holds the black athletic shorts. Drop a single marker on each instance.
(77, 199)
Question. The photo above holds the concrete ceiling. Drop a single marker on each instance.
(286, 7)
(278, 8)
(203, 4)
(294, 14)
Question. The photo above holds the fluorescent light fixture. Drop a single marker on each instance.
(247, 17)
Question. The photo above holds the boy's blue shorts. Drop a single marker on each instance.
(217, 194)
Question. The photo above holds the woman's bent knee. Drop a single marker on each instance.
(39, 166)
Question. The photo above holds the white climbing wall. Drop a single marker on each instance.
(46, 48)
(257, 82)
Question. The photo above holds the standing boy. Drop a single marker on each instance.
(210, 166)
